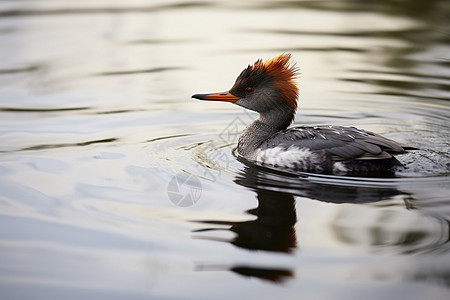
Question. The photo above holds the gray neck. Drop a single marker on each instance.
(260, 130)
(279, 118)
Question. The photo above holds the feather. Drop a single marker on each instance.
(341, 143)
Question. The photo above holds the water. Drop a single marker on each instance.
(97, 126)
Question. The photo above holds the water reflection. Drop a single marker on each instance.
(273, 229)
(108, 9)
(19, 70)
(274, 275)
(81, 144)
(85, 89)
(143, 71)
(325, 188)
(409, 60)
(41, 110)
(386, 220)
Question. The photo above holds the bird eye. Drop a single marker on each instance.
(248, 90)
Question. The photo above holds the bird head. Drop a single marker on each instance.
(264, 87)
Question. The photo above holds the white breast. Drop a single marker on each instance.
(292, 157)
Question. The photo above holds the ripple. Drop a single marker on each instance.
(51, 146)
(394, 217)
(102, 85)
(40, 110)
(143, 71)
(356, 33)
(11, 13)
(20, 70)
(211, 158)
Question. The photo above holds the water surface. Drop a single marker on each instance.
(98, 131)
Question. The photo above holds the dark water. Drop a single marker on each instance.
(114, 184)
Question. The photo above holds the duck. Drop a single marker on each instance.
(269, 88)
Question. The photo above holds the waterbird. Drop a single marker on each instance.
(269, 88)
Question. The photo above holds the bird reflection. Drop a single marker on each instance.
(272, 230)
(273, 275)
(274, 226)
(324, 188)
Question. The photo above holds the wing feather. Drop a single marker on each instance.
(340, 142)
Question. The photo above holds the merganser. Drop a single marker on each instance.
(269, 88)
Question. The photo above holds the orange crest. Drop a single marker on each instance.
(283, 73)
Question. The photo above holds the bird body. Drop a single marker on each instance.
(269, 89)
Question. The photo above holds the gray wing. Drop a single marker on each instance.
(341, 142)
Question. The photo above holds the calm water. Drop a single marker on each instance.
(114, 184)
